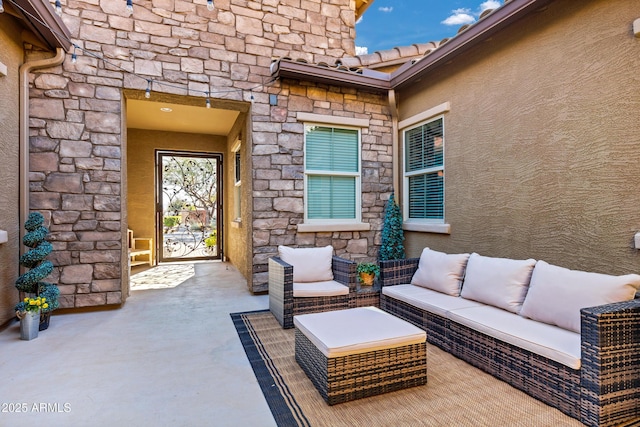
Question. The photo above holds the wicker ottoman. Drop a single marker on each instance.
(359, 352)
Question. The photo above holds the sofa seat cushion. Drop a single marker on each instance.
(357, 330)
(440, 271)
(556, 294)
(500, 282)
(548, 341)
(309, 264)
(428, 300)
(327, 288)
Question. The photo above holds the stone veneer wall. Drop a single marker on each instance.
(77, 128)
(278, 162)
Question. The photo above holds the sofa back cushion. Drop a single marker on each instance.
(557, 294)
(500, 282)
(309, 264)
(440, 272)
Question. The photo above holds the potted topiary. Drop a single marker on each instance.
(367, 272)
(391, 246)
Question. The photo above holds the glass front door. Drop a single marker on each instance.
(188, 205)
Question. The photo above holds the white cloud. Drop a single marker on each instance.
(489, 4)
(362, 50)
(466, 16)
(386, 9)
(459, 17)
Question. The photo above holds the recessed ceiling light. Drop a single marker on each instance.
(166, 109)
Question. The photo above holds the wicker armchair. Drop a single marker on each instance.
(284, 305)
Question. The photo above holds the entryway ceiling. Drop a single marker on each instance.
(151, 115)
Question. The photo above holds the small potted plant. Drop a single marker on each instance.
(28, 311)
(367, 272)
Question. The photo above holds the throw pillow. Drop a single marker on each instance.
(309, 264)
(501, 282)
(557, 294)
(440, 271)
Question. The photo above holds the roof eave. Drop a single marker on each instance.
(368, 80)
(361, 7)
(43, 21)
(474, 35)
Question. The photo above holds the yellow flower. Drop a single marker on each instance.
(45, 305)
(26, 299)
(38, 302)
(43, 299)
(32, 302)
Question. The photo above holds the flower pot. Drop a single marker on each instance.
(45, 317)
(367, 278)
(29, 325)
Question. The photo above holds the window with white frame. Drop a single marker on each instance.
(424, 171)
(332, 174)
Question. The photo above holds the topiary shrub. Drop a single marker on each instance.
(34, 259)
(392, 246)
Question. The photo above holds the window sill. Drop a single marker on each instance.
(427, 228)
(319, 228)
(236, 223)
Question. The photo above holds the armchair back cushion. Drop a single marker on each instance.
(440, 272)
(309, 264)
(500, 282)
(556, 294)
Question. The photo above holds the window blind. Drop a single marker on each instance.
(424, 170)
(332, 165)
(331, 197)
(424, 146)
(426, 196)
(332, 150)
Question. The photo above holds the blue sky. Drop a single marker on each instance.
(390, 23)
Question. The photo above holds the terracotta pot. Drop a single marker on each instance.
(367, 278)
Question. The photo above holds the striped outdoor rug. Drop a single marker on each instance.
(457, 394)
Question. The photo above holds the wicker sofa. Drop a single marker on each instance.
(319, 282)
(592, 375)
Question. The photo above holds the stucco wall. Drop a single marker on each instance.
(542, 142)
(11, 55)
(237, 242)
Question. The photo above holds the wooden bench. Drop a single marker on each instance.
(136, 251)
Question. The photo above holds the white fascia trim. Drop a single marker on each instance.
(332, 120)
(319, 228)
(427, 227)
(425, 115)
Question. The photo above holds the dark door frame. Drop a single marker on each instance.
(159, 154)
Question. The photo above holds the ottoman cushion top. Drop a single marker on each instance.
(357, 330)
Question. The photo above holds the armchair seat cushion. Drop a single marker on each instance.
(327, 288)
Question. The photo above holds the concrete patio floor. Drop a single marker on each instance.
(168, 357)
